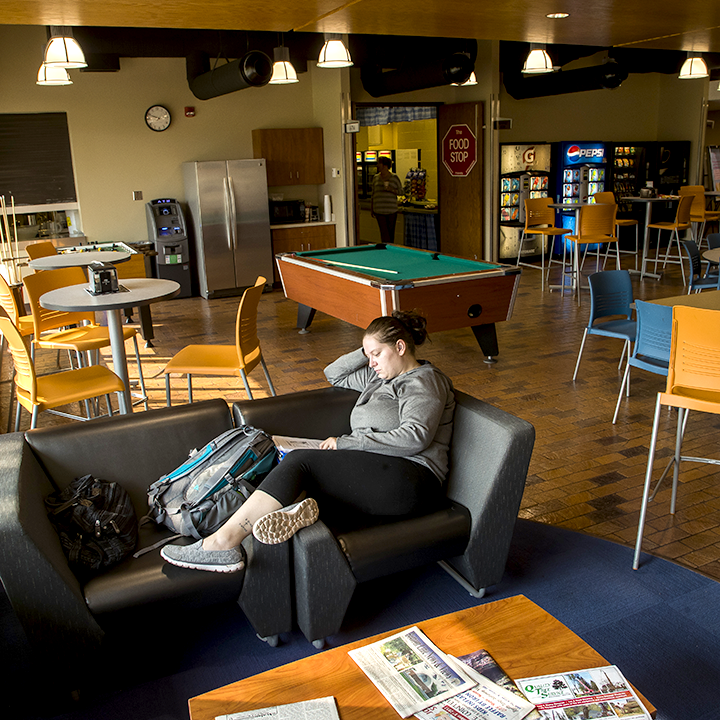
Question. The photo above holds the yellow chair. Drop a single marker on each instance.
(693, 383)
(40, 249)
(225, 360)
(540, 220)
(608, 198)
(699, 216)
(596, 226)
(86, 336)
(44, 393)
(681, 222)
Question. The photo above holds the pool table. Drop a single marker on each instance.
(360, 283)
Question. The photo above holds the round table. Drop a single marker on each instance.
(648, 211)
(136, 292)
(78, 259)
(712, 256)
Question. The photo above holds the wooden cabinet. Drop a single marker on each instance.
(294, 156)
(298, 239)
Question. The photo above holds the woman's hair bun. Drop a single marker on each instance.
(405, 325)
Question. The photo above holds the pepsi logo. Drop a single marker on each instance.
(573, 153)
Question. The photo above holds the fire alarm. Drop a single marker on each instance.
(189, 112)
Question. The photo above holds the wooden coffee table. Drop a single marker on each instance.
(523, 638)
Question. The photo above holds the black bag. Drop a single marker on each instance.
(96, 523)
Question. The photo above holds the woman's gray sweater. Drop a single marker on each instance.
(407, 416)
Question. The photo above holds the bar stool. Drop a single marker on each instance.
(681, 222)
(608, 198)
(693, 383)
(699, 216)
(539, 220)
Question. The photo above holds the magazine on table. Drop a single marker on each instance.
(593, 693)
(410, 671)
(285, 444)
(487, 700)
(319, 709)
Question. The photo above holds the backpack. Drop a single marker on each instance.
(199, 496)
(96, 523)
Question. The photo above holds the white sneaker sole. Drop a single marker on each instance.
(278, 526)
(234, 567)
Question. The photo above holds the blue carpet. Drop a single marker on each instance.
(659, 624)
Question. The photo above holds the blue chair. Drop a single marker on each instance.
(697, 281)
(651, 351)
(611, 295)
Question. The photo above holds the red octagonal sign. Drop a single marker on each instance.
(459, 150)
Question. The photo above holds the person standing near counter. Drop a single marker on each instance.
(386, 186)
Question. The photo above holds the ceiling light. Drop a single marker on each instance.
(334, 54)
(63, 50)
(557, 16)
(472, 80)
(693, 67)
(283, 70)
(52, 75)
(537, 61)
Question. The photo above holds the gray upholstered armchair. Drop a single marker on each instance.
(470, 535)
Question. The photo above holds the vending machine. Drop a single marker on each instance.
(524, 173)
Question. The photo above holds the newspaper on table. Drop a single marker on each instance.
(593, 693)
(486, 700)
(319, 709)
(410, 671)
(285, 444)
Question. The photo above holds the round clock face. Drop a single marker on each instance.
(157, 118)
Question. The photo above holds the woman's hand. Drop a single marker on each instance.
(329, 444)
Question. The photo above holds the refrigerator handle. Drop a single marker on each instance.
(229, 214)
(233, 209)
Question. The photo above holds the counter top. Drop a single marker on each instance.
(299, 225)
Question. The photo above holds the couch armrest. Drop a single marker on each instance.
(311, 413)
(489, 457)
(42, 589)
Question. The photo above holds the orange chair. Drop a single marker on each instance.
(44, 393)
(699, 216)
(596, 226)
(608, 198)
(225, 360)
(693, 383)
(40, 249)
(539, 220)
(681, 222)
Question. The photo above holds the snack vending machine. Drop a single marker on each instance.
(524, 173)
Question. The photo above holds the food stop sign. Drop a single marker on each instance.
(459, 150)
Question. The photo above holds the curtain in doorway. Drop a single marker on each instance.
(369, 116)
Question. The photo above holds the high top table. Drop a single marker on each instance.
(648, 214)
(137, 292)
(522, 638)
(79, 259)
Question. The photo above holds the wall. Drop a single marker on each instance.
(115, 153)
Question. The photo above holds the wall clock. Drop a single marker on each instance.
(157, 118)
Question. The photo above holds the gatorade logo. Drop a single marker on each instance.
(576, 154)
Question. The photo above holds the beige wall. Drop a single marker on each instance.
(115, 153)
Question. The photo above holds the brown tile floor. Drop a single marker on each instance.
(586, 474)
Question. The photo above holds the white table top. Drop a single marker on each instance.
(78, 259)
(569, 206)
(140, 291)
(712, 255)
(667, 198)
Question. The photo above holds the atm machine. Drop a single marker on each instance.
(167, 230)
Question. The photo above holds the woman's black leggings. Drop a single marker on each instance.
(362, 481)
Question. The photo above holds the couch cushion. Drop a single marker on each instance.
(149, 579)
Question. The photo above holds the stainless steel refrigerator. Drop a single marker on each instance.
(228, 213)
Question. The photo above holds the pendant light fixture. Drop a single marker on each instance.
(63, 49)
(283, 70)
(334, 54)
(693, 67)
(52, 75)
(537, 61)
(472, 80)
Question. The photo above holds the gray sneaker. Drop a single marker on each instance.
(280, 525)
(194, 557)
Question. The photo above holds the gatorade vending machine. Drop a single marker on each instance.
(524, 173)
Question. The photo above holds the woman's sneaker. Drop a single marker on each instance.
(194, 557)
(280, 525)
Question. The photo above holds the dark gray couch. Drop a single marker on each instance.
(469, 534)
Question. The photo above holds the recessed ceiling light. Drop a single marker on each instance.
(557, 16)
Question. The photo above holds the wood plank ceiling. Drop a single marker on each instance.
(662, 24)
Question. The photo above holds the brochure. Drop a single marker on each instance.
(320, 709)
(410, 671)
(595, 693)
(285, 444)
